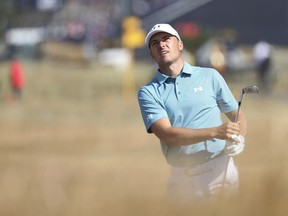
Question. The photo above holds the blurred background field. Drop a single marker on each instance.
(74, 146)
(75, 143)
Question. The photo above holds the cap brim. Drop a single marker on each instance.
(149, 36)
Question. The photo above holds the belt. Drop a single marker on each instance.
(194, 160)
(199, 169)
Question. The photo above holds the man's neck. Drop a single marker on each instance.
(172, 70)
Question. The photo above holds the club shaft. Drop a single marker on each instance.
(237, 114)
(239, 105)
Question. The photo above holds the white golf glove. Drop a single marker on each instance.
(233, 148)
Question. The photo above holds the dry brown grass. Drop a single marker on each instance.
(74, 146)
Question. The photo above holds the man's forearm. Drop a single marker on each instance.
(243, 124)
(185, 136)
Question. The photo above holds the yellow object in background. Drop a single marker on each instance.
(133, 35)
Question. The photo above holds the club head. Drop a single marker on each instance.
(246, 90)
(250, 90)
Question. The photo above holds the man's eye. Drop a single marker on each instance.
(154, 43)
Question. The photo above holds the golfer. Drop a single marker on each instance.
(182, 106)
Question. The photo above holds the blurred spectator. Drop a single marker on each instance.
(212, 54)
(16, 78)
(263, 60)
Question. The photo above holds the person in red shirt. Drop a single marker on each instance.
(17, 78)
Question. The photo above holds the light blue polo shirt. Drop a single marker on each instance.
(194, 99)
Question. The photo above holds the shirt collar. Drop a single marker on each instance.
(187, 69)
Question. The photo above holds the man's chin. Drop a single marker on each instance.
(164, 61)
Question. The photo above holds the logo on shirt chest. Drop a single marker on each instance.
(198, 89)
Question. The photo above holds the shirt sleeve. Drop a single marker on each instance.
(224, 97)
(151, 108)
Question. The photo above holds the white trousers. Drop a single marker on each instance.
(204, 180)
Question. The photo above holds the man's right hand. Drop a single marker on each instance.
(227, 130)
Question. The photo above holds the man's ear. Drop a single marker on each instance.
(181, 46)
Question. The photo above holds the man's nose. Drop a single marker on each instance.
(162, 43)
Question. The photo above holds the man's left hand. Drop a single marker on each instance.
(235, 148)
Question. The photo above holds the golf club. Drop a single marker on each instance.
(247, 90)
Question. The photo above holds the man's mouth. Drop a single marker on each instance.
(163, 52)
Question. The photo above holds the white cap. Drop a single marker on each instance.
(161, 28)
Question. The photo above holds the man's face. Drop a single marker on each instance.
(165, 48)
